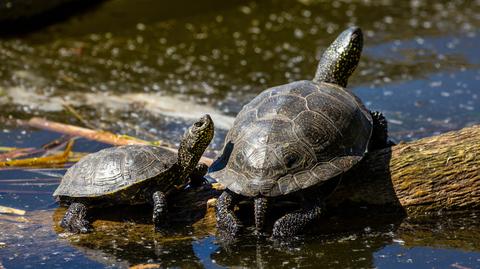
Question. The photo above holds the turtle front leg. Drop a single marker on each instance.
(292, 224)
(260, 212)
(75, 219)
(379, 138)
(197, 177)
(159, 200)
(227, 222)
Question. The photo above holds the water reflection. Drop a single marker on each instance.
(365, 242)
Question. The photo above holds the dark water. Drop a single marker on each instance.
(147, 68)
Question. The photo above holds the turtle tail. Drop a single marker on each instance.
(340, 59)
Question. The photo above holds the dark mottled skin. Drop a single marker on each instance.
(260, 208)
(227, 222)
(159, 208)
(75, 219)
(275, 170)
(341, 58)
(152, 184)
(294, 223)
(379, 133)
(197, 176)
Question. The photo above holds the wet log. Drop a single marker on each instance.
(429, 175)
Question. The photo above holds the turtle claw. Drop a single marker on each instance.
(260, 234)
(160, 229)
(74, 220)
(379, 138)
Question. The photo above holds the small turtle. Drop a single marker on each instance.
(133, 174)
(294, 137)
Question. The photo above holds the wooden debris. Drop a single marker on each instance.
(15, 153)
(430, 175)
(11, 210)
(101, 136)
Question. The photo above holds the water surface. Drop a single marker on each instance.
(122, 65)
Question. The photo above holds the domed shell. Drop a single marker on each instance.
(114, 169)
(291, 137)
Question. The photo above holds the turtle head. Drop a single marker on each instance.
(194, 142)
(340, 59)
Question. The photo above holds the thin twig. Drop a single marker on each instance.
(77, 115)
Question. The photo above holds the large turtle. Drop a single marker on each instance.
(133, 174)
(294, 137)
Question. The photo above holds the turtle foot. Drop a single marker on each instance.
(380, 131)
(227, 222)
(75, 220)
(295, 223)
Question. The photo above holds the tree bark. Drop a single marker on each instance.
(429, 175)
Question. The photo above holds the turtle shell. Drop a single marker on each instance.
(113, 169)
(291, 137)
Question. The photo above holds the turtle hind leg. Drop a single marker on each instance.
(75, 219)
(379, 138)
(293, 224)
(227, 223)
(159, 201)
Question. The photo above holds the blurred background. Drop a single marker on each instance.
(146, 66)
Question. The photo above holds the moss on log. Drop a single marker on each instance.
(429, 175)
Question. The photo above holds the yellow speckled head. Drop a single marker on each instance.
(340, 59)
(194, 142)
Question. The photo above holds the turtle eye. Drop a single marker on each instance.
(198, 124)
